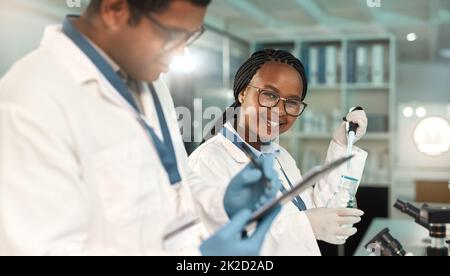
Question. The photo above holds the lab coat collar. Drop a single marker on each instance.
(237, 154)
(111, 62)
(234, 151)
(81, 69)
(77, 64)
(231, 129)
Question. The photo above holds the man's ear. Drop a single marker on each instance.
(114, 13)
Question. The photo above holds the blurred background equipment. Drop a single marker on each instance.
(392, 58)
(434, 219)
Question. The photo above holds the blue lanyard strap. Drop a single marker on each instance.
(233, 138)
(237, 141)
(164, 148)
(298, 201)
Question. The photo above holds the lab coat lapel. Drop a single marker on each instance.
(237, 154)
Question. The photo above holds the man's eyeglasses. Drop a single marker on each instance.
(176, 37)
(267, 98)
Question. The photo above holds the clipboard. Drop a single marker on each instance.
(309, 180)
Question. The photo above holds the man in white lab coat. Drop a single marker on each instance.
(83, 169)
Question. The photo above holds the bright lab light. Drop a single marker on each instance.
(421, 112)
(432, 136)
(183, 64)
(408, 112)
(411, 37)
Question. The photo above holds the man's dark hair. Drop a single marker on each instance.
(140, 7)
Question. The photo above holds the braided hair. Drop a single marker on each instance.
(246, 73)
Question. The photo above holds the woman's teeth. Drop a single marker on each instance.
(274, 124)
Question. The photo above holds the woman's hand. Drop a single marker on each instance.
(357, 117)
(333, 226)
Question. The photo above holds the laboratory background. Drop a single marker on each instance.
(391, 57)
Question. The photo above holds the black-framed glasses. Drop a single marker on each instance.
(176, 37)
(268, 98)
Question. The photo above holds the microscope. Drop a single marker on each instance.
(434, 219)
(431, 218)
(384, 244)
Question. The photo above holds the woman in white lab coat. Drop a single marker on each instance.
(269, 91)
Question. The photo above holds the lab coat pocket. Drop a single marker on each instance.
(123, 175)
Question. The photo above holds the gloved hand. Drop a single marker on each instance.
(358, 117)
(229, 241)
(248, 191)
(328, 223)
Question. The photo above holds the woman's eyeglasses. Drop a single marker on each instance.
(267, 98)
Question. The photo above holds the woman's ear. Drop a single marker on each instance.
(241, 96)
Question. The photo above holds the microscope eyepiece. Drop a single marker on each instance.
(411, 210)
(400, 205)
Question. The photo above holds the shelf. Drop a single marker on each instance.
(377, 136)
(369, 136)
(324, 87)
(412, 174)
(312, 136)
(368, 86)
(350, 86)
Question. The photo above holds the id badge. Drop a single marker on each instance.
(186, 232)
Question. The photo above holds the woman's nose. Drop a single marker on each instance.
(281, 107)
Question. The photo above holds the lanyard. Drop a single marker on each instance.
(238, 142)
(298, 201)
(164, 148)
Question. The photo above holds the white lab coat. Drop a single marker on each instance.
(219, 160)
(78, 174)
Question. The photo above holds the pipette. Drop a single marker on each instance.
(351, 129)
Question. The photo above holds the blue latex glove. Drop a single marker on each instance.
(248, 191)
(229, 241)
